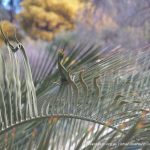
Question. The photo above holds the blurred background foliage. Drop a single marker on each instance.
(48, 17)
(126, 22)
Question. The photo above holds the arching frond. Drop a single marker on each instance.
(81, 99)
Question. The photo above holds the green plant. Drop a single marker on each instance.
(89, 99)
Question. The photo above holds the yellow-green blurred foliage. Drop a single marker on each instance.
(8, 28)
(44, 18)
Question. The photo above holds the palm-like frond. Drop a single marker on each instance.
(82, 99)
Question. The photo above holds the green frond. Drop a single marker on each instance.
(71, 108)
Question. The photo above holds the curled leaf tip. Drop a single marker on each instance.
(69, 71)
(61, 54)
(82, 71)
(7, 42)
(97, 77)
(61, 51)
